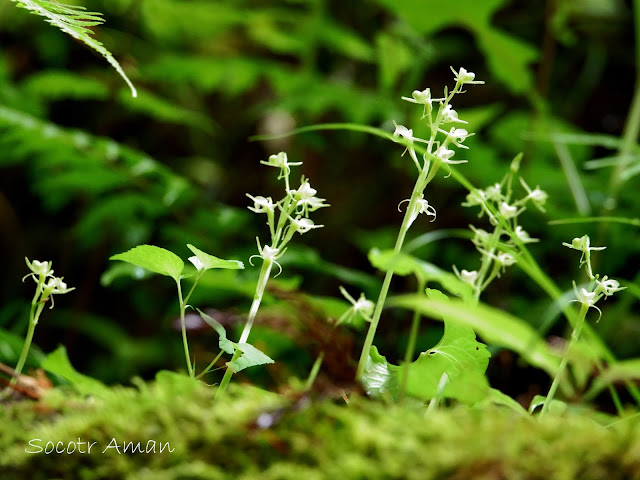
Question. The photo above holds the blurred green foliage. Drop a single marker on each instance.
(87, 171)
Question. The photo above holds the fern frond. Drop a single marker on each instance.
(74, 20)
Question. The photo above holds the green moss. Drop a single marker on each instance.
(307, 439)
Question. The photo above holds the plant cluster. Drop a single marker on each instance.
(452, 371)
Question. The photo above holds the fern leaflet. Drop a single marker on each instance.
(74, 20)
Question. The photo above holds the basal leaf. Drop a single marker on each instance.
(225, 344)
(154, 259)
(380, 378)
(494, 325)
(57, 362)
(458, 355)
(209, 261)
(251, 357)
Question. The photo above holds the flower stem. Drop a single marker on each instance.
(227, 377)
(314, 371)
(185, 343)
(406, 222)
(25, 349)
(565, 358)
(265, 271)
(37, 305)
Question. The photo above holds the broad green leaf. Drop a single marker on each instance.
(458, 355)
(154, 259)
(404, 264)
(74, 20)
(225, 344)
(380, 378)
(209, 261)
(494, 325)
(57, 362)
(251, 357)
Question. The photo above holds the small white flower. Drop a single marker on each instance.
(38, 268)
(303, 225)
(269, 252)
(449, 115)
(587, 298)
(508, 211)
(465, 77)
(537, 196)
(469, 277)
(475, 197)
(306, 199)
(505, 259)
(523, 236)
(583, 244)
(421, 206)
(280, 161)
(444, 154)
(607, 286)
(423, 97)
(54, 286)
(261, 204)
(494, 192)
(456, 136)
(361, 307)
(404, 132)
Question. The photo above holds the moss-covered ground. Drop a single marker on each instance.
(254, 434)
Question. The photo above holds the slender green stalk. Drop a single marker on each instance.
(227, 378)
(314, 372)
(415, 195)
(565, 358)
(210, 366)
(265, 271)
(37, 305)
(185, 343)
